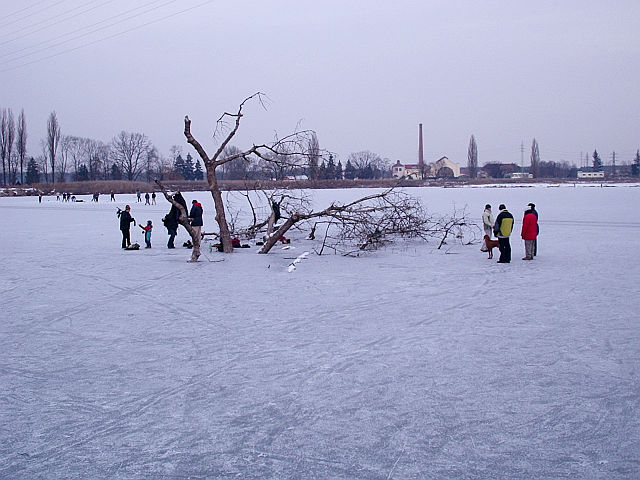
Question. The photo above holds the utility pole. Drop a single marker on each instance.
(613, 165)
(522, 156)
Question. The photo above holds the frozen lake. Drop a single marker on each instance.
(409, 363)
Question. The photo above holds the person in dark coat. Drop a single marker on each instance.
(195, 215)
(502, 230)
(171, 219)
(125, 224)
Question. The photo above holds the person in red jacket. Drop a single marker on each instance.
(529, 232)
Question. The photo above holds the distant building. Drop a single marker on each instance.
(293, 178)
(590, 174)
(519, 175)
(442, 167)
(408, 171)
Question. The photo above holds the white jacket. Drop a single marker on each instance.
(487, 219)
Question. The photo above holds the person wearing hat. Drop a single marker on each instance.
(125, 224)
(535, 242)
(502, 230)
(529, 232)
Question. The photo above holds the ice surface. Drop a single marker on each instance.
(410, 363)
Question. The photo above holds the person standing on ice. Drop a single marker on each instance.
(170, 220)
(502, 230)
(146, 199)
(125, 224)
(535, 242)
(529, 232)
(487, 220)
(195, 216)
(147, 233)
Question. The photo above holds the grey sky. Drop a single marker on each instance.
(362, 74)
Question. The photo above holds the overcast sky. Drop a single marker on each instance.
(361, 73)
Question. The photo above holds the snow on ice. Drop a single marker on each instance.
(408, 363)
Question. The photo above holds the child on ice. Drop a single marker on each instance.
(147, 233)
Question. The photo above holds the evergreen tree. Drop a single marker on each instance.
(188, 168)
(597, 163)
(198, 174)
(322, 171)
(635, 166)
(116, 173)
(339, 170)
(349, 171)
(33, 175)
(82, 175)
(330, 172)
(178, 166)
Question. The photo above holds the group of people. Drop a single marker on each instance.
(66, 197)
(171, 221)
(502, 227)
(149, 199)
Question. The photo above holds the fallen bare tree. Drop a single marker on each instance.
(366, 223)
(350, 228)
(282, 151)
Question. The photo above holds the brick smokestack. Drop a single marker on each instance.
(420, 152)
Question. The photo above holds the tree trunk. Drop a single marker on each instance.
(273, 239)
(221, 218)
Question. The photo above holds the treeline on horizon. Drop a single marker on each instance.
(132, 157)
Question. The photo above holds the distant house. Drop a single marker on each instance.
(443, 167)
(590, 174)
(408, 171)
(519, 175)
(293, 178)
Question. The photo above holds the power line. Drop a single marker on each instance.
(22, 34)
(108, 37)
(85, 28)
(34, 13)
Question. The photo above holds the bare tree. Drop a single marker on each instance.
(43, 161)
(130, 152)
(53, 142)
(21, 143)
(367, 164)
(10, 135)
(535, 159)
(3, 143)
(67, 147)
(235, 169)
(472, 158)
(284, 150)
(151, 163)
